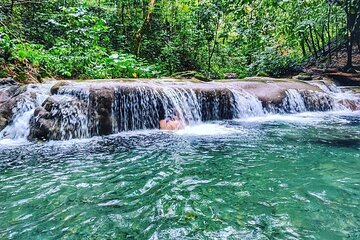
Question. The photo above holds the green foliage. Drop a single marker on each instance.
(96, 39)
(272, 63)
(67, 62)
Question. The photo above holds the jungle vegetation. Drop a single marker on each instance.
(150, 38)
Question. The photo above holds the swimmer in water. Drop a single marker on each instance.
(171, 123)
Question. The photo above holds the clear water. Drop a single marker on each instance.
(269, 177)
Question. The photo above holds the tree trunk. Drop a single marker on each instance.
(12, 7)
(307, 43)
(317, 36)
(328, 32)
(313, 42)
(302, 44)
(144, 27)
(212, 50)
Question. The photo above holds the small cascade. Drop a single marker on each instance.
(293, 102)
(135, 110)
(70, 115)
(19, 127)
(246, 105)
(93, 109)
(182, 101)
(215, 104)
(342, 99)
(24, 108)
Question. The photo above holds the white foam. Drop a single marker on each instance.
(13, 142)
(208, 129)
(302, 118)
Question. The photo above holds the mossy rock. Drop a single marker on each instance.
(3, 122)
(55, 89)
(304, 77)
(191, 75)
(262, 74)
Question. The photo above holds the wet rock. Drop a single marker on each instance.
(55, 89)
(8, 99)
(216, 104)
(350, 104)
(101, 110)
(3, 123)
(7, 82)
(60, 118)
(317, 101)
(40, 125)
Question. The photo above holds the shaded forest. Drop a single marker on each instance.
(152, 38)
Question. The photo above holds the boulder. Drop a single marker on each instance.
(9, 96)
(40, 125)
(55, 89)
(59, 118)
(100, 103)
(7, 82)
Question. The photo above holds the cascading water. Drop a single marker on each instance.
(294, 102)
(24, 108)
(246, 105)
(342, 99)
(86, 110)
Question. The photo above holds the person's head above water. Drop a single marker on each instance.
(172, 121)
(173, 115)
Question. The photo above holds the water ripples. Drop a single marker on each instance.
(260, 181)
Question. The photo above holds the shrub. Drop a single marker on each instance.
(272, 63)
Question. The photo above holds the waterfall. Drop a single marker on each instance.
(294, 102)
(25, 104)
(246, 105)
(93, 109)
